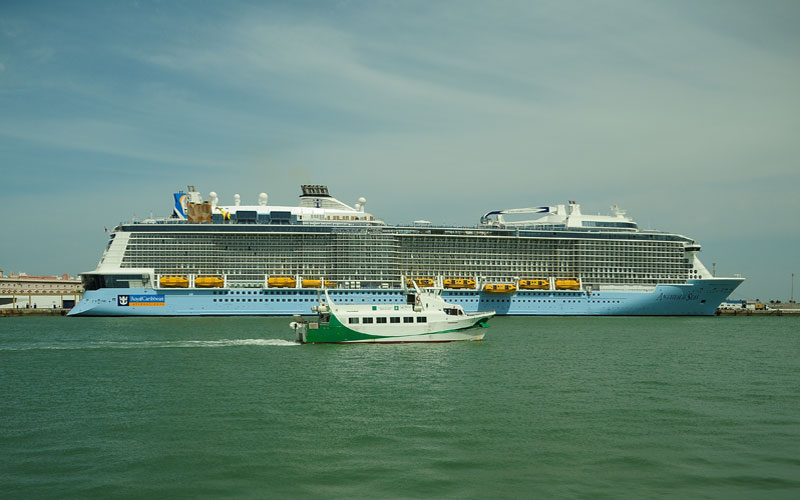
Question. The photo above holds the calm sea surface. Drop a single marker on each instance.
(544, 407)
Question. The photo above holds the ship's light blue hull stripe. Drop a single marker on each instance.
(695, 298)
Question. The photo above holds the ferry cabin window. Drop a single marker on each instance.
(422, 319)
(394, 319)
(408, 319)
(380, 320)
(367, 320)
(353, 321)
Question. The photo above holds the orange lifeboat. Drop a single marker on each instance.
(174, 282)
(311, 283)
(208, 282)
(500, 288)
(282, 282)
(459, 283)
(567, 285)
(535, 284)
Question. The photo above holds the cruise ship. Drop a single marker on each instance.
(262, 259)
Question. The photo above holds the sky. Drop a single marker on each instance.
(684, 113)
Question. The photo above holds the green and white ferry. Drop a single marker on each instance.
(425, 317)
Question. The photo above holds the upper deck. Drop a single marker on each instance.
(316, 206)
(319, 212)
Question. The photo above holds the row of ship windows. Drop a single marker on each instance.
(449, 271)
(561, 248)
(619, 276)
(402, 241)
(420, 255)
(562, 301)
(393, 319)
(441, 263)
(344, 253)
(420, 263)
(554, 249)
(372, 292)
(312, 300)
(449, 259)
(335, 248)
(445, 271)
(340, 251)
(375, 292)
(265, 300)
(562, 245)
(204, 268)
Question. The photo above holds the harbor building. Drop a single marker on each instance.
(21, 291)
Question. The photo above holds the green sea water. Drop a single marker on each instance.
(542, 408)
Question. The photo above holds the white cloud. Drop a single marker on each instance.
(619, 101)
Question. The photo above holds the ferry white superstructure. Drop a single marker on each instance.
(210, 259)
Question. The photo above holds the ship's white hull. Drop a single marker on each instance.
(695, 298)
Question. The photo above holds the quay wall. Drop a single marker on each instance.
(59, 311)
(759, 312)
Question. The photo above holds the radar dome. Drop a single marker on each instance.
(262, 199)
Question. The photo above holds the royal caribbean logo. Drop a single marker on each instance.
(140, 300)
